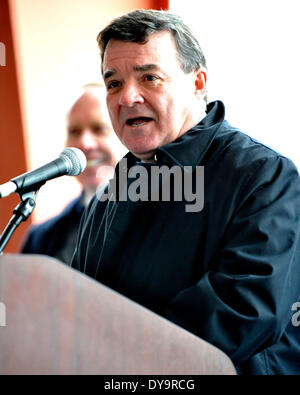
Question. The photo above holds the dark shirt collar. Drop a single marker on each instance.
(190, 148)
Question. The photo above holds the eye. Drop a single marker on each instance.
(100, 129)
(74, 132)
(150, 77)
(112, 85)
(97, 129)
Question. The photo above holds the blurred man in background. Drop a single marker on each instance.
(227, 270)
(90, 130)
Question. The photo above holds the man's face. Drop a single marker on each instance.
(89, 129)
(151, 101)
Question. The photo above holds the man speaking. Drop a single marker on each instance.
(230, 272)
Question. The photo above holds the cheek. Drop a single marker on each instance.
(72, 142)
(162, 105)
(110, 109)
(111, 103)
(103, 143)
(170, 110)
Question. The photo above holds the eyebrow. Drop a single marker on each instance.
(145, 67)
(108, 74)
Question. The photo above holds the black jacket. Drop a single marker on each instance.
(229, 273)
(57, 236)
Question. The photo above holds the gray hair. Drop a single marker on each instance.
(138, 25)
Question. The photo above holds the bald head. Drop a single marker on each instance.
(89, 129)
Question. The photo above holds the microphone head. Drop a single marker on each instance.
(76, 158)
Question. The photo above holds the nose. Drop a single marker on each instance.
(130, 94)
(87, 141)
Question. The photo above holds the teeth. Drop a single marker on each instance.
(139, 121)
(138, 124)
(93, 162)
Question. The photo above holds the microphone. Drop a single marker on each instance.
(71, 161)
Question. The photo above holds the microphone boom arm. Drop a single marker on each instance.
(21, 213)
(71, 161)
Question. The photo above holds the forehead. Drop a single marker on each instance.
(160, 48)
(89, 105)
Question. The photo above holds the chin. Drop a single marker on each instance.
(142, 149)
(145, 153)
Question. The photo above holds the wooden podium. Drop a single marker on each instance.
(59, 321)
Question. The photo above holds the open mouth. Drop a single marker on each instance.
(138, 121)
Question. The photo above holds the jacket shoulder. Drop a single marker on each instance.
(243, 151)
(39, 234)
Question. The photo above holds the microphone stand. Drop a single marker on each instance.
(21, 213)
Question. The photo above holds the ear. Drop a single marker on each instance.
(200, 82)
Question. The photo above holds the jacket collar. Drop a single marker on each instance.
(190, 148)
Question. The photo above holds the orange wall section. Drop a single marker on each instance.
(160, 4)
(12, 151)
(26, 83)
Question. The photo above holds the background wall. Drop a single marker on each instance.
(12, 158)
(252, 51)
(253, 59)
(57, 53)
(52, 51)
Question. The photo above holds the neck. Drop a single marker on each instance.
(150, 160)
(87, 196)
